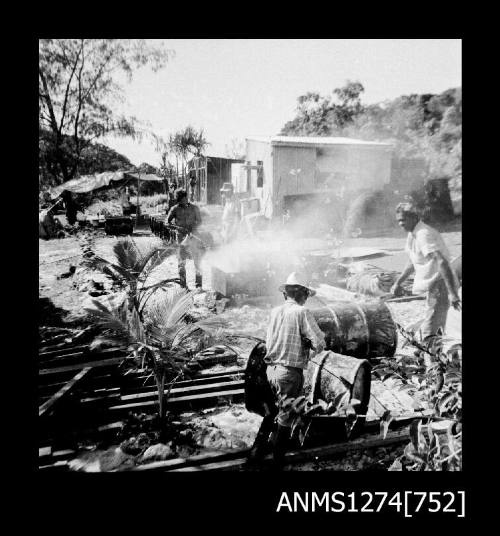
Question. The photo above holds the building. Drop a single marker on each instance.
(282, 170)
(209, 173)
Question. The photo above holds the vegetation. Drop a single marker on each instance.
(160, 339)
(133, 268)
(441, 387)
(420, 126)
(236, 149)
(183, 143)
(78, 91)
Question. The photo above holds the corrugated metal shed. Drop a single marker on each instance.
(317, 140)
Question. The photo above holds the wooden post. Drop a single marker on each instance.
(137, 208)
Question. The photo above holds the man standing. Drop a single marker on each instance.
(125, 202)
(430, 260)
(231, 213)
(292, 332)
(188, 218)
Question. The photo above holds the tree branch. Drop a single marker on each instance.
(63, 114)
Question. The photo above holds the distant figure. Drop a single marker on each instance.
(71, 207)
(430, 260)
(48, 226)
(125, 202)
(188, 218)
(192, 184)
(231, 214)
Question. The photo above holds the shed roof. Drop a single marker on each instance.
(315, 140)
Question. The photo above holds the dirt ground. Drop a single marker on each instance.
(71, 294)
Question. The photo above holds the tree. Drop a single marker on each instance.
(324, 116)
(184, 142)
(236, 149)
(78, 90)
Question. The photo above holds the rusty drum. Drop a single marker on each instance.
(357, 329)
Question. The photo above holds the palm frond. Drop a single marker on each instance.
(127, 254)
(114, 321)
(164, 317)
(101, 264)
(136, 327)
(213, 326)
(153, 258)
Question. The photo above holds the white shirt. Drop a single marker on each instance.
(421, 242)
(231, 211)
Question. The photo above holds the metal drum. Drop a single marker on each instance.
(338, 379)
(329, 376)
(361, 330)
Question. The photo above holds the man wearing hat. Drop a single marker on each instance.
(291, 333)
(429, 259)
(231, 213)
(188, 218)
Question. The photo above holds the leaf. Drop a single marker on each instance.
(303, 433)
(322, 404)
(299, 403)
(396, 465)
(412, 454)
(385, 420)
(351, 420)
(414, 434)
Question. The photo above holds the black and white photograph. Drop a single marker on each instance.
(250, 259)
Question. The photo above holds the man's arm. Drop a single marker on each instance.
(198, 216)
(311, 331)
(171, 215)
(447, 274)
(408, 270)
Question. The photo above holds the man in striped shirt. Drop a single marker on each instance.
(291, 334)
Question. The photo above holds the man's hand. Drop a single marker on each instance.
(456, 303)
(396, 289)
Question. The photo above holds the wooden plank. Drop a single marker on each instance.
(131, 389)
(307, 454)
(44, 451)
(200, 459)
(180, 399)
(176, 463)
(404, 299)
(79, 357)
(175, 391)
(79, 366)
(65, 351)
(114, 392)
(63, 391)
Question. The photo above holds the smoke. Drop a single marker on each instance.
(252, 254)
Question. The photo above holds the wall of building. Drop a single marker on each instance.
(354, 166)
(259, 151)
(218, 172)
(295, 170)
(294, 173)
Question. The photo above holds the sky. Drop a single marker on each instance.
(236, 88)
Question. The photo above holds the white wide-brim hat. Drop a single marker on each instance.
(295, 279)
(227, 187)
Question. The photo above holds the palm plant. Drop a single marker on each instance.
(133, 267)
(163, 342)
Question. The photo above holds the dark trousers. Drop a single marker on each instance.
(182, 255)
